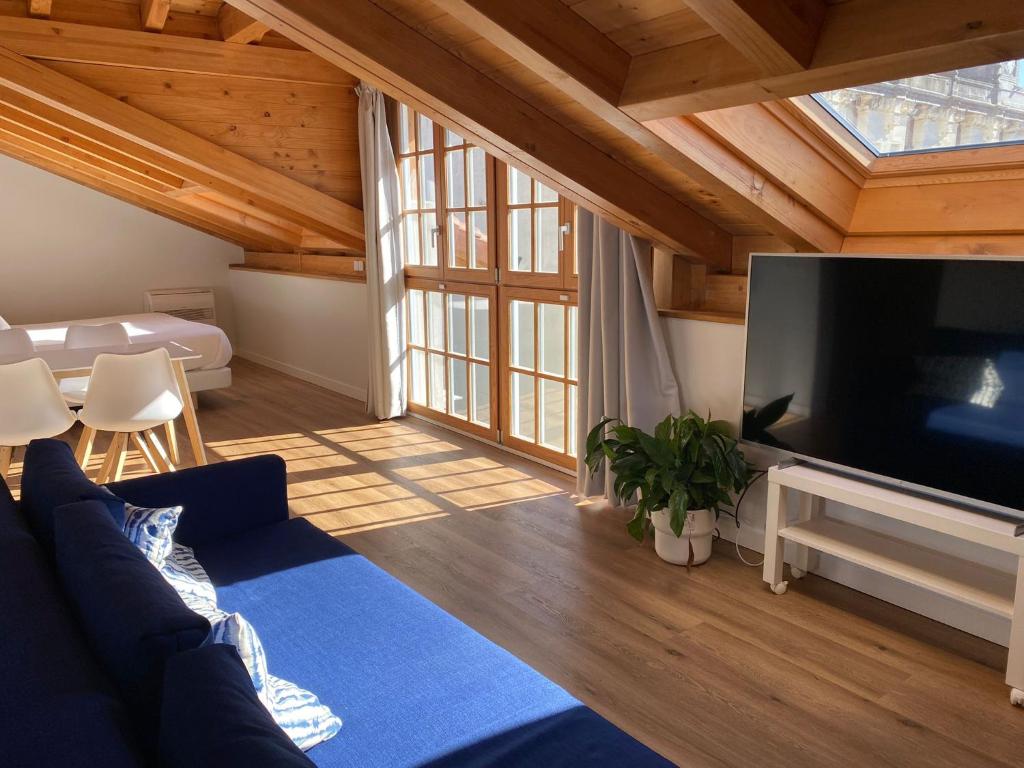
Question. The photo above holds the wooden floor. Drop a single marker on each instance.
(709, 668)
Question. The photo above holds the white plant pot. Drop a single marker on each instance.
(698, 529)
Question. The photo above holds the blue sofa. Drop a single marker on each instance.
(413, 685)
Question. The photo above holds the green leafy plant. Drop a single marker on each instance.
(688, 463)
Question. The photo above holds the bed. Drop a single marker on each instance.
(209, 371)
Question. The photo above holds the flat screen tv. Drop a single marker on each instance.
(907, 371)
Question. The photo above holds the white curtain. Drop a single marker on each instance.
(385, 391)
(624, 365)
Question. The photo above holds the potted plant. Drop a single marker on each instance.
(681, 476)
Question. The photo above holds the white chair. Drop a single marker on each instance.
(129, 395)
(31, 407)
(83, 336)
(16, 341)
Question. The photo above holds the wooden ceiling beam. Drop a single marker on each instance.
(153, 14)
(766, 202)
(552, 40)
(213, 166)
(85, 44)
(236, 27)
(40, 9)
(18, 135)
(29, 125)
(776, 36)
(118, 187)
(861, 41)
(364, 39)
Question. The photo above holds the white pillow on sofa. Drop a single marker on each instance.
(4, 325)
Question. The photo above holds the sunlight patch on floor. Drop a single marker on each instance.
(478, 483)
(368, 516)
(300, 452)
(344, 492)
(386, 441)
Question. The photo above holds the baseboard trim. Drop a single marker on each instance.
(334, 385)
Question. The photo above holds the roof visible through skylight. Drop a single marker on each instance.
(974, 107)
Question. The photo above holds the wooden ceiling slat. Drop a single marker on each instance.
(60, 41)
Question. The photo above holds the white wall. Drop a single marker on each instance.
(310, 328)
(69, 252)
(708, 361)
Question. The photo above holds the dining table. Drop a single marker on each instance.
(76, 363)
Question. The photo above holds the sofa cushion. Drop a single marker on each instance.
(414, 684)
(133, 619)
(57, 706)
(211, 715)
(52, 478)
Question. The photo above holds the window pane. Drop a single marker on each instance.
(521, 334)
(571, 414)
(479, 315)
(428, 185)
(457, 255)
(409, 196)
(552, 338)
(522, 406)
(404, 129)
(452, 139)
(544, 194)
(424, 133)
(547, 240)
(416, 335)
(519, 234)
(435, 320)
(411, 228)
(428, 225)
(552, 414)
(458, 405)
(477, 177)
(456, 324)
(438, 395)
(455, 178)
(573, 342)
(481, 382)
(479, 239)
(518, 187)
(418, 377)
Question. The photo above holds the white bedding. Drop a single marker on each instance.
(208, 340)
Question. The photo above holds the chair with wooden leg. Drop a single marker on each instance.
(83, 337)
(130, 396)
(31, 407)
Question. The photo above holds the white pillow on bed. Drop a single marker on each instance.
(4, 325)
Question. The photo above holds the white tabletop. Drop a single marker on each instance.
(63, 360)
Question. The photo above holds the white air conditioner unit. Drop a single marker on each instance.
(194, 304)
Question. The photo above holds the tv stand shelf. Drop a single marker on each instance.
(985, 588)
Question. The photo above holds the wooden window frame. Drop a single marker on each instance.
(566, 278)
(445, 288)
(566, 298)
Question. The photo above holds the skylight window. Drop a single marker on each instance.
(974, 107)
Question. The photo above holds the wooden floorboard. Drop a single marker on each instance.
(707, 667)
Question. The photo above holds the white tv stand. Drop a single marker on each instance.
(985, 588)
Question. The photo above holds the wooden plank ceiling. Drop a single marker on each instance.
(256, 144)
(680, 100)
(662, 115)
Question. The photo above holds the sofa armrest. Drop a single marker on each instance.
(220, 500)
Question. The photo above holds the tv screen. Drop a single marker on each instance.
(910, 370)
